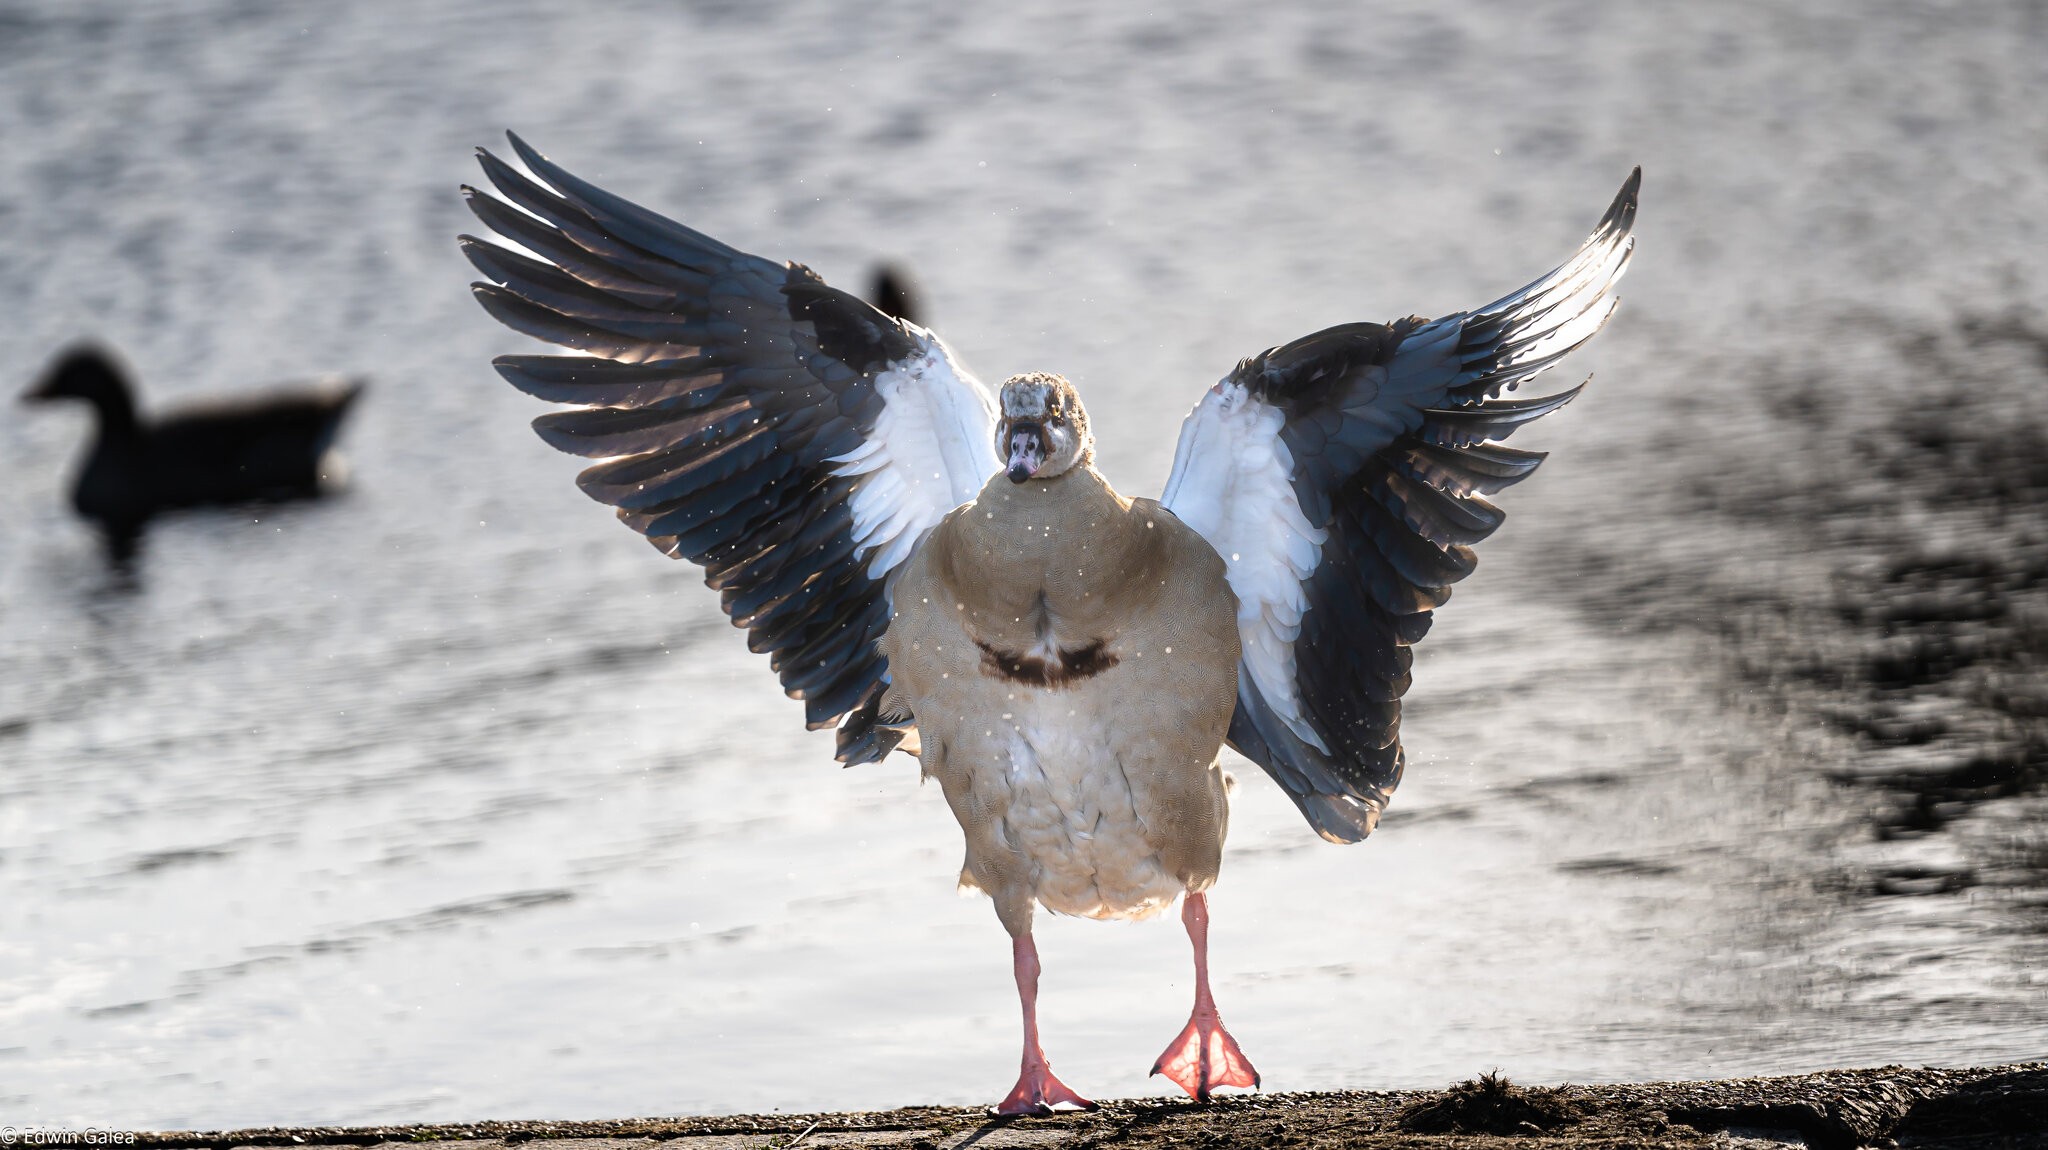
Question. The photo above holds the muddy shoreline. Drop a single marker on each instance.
(1990, 1106)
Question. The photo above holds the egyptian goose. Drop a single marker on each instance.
(268, 446)
(944, 572)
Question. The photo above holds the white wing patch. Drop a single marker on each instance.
(1230, 483)
(932, 449)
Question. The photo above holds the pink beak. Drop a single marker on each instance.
(1027, 451)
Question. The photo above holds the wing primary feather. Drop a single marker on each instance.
(1476, 470)
(608, 383)
(607, 431)
(525, 193)
(548, 286)
(1442, 519)
(550, 243)
(1496, 419)
(522, 316)
(629, 221)
(583, 231)
(747, 459)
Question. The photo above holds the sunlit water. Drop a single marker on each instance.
(452, 799)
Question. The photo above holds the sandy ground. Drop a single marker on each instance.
(1991, 1106)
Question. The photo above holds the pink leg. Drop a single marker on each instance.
(1037, 1091)
(1205, 1056)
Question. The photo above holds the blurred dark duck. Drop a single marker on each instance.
(272, 445)
(895, 294)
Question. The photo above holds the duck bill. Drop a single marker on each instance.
(1026, 451)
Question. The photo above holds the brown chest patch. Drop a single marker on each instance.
(1073, 665)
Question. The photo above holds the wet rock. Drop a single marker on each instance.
(2001, 1106)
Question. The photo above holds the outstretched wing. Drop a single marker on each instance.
(787, 437)
(1342, 477)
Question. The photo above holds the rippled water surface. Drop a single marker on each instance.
(451, 799)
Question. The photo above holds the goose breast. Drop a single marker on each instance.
(1071, 657)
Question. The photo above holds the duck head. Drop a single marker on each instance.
(894, 293)
(88, 373)
(1043, 431)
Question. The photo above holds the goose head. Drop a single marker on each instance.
(1043, 431)
(88, 373)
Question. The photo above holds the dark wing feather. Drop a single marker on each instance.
(748, 417)
(1344, 474)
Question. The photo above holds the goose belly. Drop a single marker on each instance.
(1073, 814)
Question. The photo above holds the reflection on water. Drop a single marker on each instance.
(1925, 649)
(450, 799)
(1926, 646)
